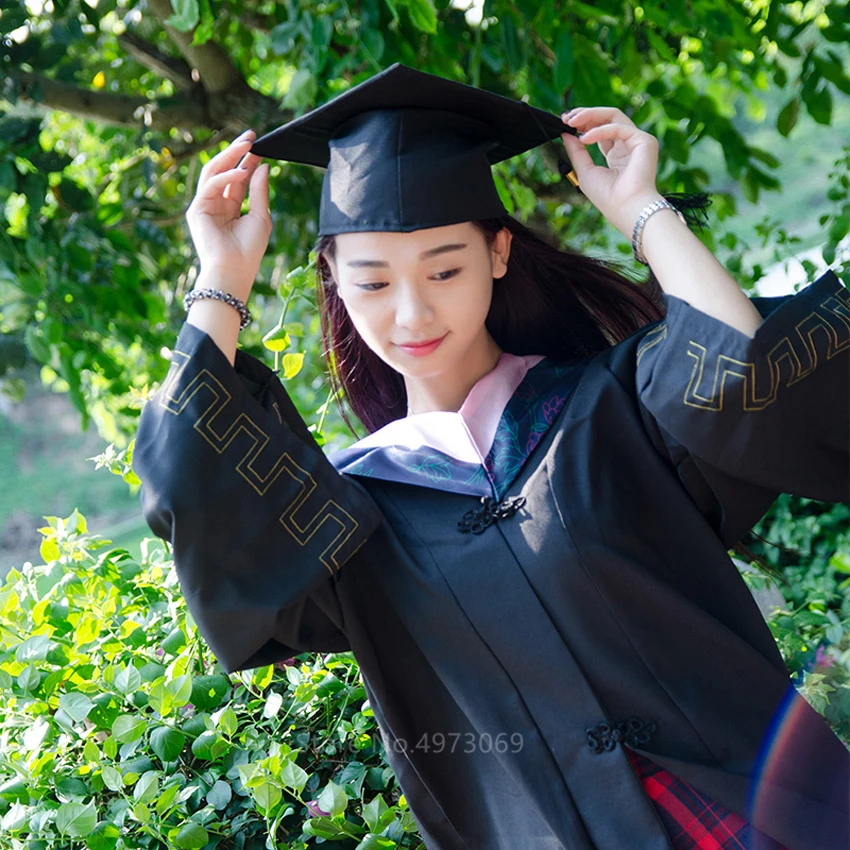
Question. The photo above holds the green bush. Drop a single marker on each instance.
(807, 544)
(119, 730)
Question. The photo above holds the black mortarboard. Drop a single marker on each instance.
(406, 150)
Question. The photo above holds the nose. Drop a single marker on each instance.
(413, 309)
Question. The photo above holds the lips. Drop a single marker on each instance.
(418, 349)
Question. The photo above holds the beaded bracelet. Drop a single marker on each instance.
(219, 295)
(646, 212)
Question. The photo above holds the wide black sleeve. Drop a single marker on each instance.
(744, 419)
(259, 520)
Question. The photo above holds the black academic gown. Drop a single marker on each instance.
(608, 595)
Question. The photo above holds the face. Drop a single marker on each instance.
(430, 286)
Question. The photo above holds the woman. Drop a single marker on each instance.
(531, 565)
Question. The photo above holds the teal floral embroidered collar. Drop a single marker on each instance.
(439, 450)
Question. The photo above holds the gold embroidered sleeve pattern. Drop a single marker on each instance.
(716, 377)
(232, 432)
(792, 358)
(772, 410)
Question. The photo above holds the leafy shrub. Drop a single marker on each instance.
(119, 730)
(807, 543)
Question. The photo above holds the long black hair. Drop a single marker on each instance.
(551, 301)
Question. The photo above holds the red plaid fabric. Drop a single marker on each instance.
(692, 820)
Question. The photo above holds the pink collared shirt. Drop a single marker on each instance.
(467, 434)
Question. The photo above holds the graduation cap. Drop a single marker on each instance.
(406, 150)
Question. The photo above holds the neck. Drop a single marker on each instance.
(448, 391)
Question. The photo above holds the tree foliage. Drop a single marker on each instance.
(110, 108)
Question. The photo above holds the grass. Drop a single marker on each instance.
(44, 472)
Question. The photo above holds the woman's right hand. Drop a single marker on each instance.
(230, 246)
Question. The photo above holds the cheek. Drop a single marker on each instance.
(475, 299)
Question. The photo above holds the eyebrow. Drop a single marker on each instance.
(431, 252)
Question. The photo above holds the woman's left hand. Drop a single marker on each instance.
(627, 185)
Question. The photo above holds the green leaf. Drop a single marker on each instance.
(219, 795)
(376, 842)
(180, 690)
(77, 706)
(33, 649)
(74, 196)
(191, 836)
(135, 767)
(209, 746)
(128, 728)
(186, 15)
(104, 710)
(228, 722)
(267, 796)
(292, 364)
(788, 115)
(261, 677)
(70, 786)
(277, 339)
(208, 692)
(76, 820)
(104, 836)
(48, 549)
(166, 798)
(423, 15)
(150, 672)
(819, 104)
(323, 828)
(165, 696)
(293, 776)
(333, 800)
(175, 641)
(127, 680)
(676, 143)
(373, 811)
(147, 788)
(167, 743)
(29, 678)
(112, 778)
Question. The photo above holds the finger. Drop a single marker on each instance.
(227, 158)
(589, 116)
(579, 155)
(214, 188)
(236, 191)
(259, 193)
(617, 131)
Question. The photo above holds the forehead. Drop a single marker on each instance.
(389, 244)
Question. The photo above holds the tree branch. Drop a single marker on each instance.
(107, 107)
(155, 60)
(256, 21)
(218, 73)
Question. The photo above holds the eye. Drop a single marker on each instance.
(371, 287)
(447, 274)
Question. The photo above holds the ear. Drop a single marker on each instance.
(500, 251)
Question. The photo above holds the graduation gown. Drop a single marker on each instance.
(589, 606)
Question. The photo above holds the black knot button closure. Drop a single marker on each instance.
(605, 736)
(477, 519)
